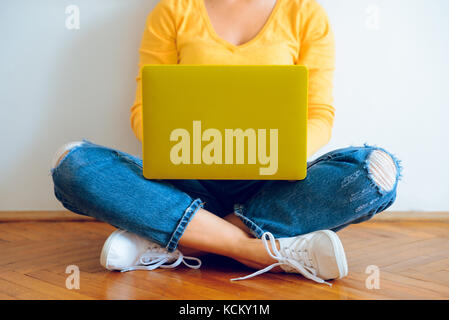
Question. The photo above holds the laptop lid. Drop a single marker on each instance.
(241, 122)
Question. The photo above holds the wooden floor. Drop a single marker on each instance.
(413, 259)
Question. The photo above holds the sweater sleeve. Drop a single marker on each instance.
(317, 53)
(158, 46)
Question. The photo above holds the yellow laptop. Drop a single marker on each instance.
(242, 122)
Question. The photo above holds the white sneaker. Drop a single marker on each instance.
(125, 251)
(318, 256)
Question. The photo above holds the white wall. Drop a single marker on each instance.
(58, 85)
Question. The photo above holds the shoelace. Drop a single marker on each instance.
(157, 257)
(295, 257)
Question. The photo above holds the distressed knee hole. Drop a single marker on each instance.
(62, 151)
(382, 169)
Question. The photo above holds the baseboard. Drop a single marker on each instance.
(63, 215)
(440, 216)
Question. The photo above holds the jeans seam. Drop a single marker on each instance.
(127, 158)
(185, 219)
(253, 227)
(318, 160)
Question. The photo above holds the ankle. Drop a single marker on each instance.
(253, 253)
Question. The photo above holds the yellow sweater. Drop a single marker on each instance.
(297, 32)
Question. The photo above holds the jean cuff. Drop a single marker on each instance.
(187, 216)
(253, 227)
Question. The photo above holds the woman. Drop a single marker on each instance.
(269, 225)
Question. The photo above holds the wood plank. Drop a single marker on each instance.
(17, 216)
(64, 215)
(412, 257)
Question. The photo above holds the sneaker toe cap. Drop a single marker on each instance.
(327, 256)
(123, 251)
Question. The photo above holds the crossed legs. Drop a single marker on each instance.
(233, 236)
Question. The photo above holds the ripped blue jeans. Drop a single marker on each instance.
(108, 185)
